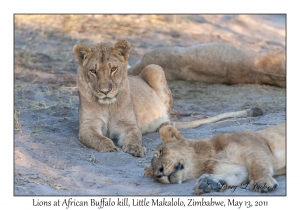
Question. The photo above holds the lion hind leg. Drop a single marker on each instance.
(272, 67)
(155, 77)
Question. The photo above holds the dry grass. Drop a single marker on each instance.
(92, 159)
(37, 127)
(72, 23)
(111, 27)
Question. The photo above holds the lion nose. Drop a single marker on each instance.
(106, 90)
(160, 172)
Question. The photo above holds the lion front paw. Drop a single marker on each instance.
(107, 147)
(264, 185)
(206, 183)
(135, 150)
(113, 149)
(148, 172)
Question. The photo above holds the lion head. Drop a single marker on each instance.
(170, 162)
(103, 67)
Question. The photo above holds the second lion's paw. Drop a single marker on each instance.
(206, 183)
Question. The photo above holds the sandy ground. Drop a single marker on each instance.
(49, 158)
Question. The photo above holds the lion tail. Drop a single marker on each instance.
(193, 124)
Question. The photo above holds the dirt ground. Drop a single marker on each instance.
(48, 156)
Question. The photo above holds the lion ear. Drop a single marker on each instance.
(169, 133)
(80, 52)
(176, 134)
(123, 48)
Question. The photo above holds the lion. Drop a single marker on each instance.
(217, 63)
(116, 107)
(221, 162)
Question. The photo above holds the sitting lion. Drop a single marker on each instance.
(229, 159)
(115, 106)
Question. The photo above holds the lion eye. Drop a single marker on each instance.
(113, 69)
(160, 153)
(179, 167)
(93, 71)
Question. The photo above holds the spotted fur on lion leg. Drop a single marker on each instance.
(206, 184)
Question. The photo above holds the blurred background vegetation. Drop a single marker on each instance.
(44, 42)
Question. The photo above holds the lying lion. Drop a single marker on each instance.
(217, 63)
(229, 159)
(115, 106)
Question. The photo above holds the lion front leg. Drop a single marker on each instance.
(92, 138)
(132, 143)
(261, 175)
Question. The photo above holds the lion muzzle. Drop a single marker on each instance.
(105, 91)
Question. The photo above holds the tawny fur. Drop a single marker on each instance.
(114, 106)
(246, 156)
(217, 63)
